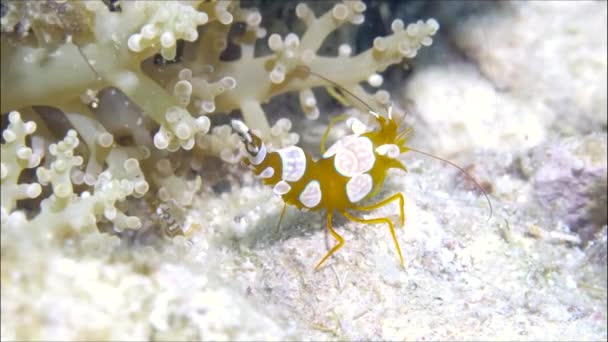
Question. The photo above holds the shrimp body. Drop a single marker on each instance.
(351, 170)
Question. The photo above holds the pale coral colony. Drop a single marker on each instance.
(94, 129)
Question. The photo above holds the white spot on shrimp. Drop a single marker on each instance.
(294, 163)
(354, 155)
(259, 158)
(358, 187)
(281, 188)
(311, 195)
(390, 150)
(356, 125)
(267, 173)
(333, 149)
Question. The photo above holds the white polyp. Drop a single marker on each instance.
(163, 194)
(267, 173)
(302, 10)
(167, 39)
(134, 43)
(281, 188)
(191, 35)
(110, 212)
(133, 222)
(131, 165)
(29, 127)
(412, 30)
(312, 114)
(229, 82)
(426, 41)
(292, 40)
(33, 190)
(14, 117)
(379, 44)
(294, 163)
(225, 17)
(433, 25)
(161, 141)
(375, 80)
(359, 6)
(275, 43)
(260, 33)
(358, 187)
(308, 98)
(339, 12)
(390, 150)
(254, 19)
(126, 186)
(358, 19)
(44, 176)
(276, 76)
(188, 144)
(9, 135)
(168, 53)
(148, 31)
(344, 50)
(284, 124)
(141, 187)
(59, 165)
(173, 114)
(310, 101)
(397, 25)
(24, 153)
(182, 131)
(105, 139)
(260, 156)
(89, 179)
(208, 106)
(62, 190)
(202, 124)
(202, 18)
(183, 88)
(34, 160)
(383, 96)
(311, 194)
(185, 74)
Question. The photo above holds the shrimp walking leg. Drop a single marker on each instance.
(376, 221)
(336, 236)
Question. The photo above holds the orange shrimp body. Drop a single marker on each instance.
(351, 170)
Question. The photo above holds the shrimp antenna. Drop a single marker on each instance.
(307, 70)
(485, 194)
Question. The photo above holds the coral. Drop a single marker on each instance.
(113, 49)
(84, 59)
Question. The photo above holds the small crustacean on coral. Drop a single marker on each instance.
(351, 170)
